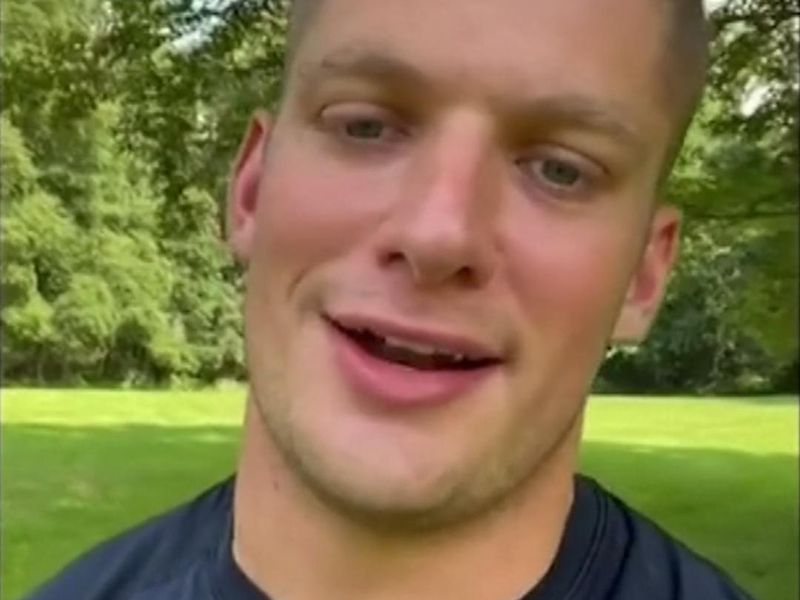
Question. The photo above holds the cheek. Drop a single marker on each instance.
(312, 211)
(300, 221)
(570, 278)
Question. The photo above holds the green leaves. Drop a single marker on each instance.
(86, 318)
(17, 170)
(730, 320)
(119, 124)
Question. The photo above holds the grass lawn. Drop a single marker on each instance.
(78, 466)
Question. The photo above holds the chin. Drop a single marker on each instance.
(388, 468)
(382, 488)
(379, 474)
(380, 501)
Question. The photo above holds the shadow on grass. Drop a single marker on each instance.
(757, 399)
(66, 488)
(765, 399)
(738, 509)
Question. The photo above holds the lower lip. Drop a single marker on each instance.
(396, 385)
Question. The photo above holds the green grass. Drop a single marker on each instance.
(78, 466)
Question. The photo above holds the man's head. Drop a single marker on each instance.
(476, 177)
(684, 62)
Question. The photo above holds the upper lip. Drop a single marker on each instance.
(449, 342)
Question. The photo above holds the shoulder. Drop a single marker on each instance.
(163, 548)
(657, 565)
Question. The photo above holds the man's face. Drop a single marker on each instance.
(467, 176)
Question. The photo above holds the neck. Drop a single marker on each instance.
(294, 547)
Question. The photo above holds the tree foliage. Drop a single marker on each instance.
(730, 321)
(119, 123)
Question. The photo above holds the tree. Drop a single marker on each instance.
(730, 319)
(119, 123)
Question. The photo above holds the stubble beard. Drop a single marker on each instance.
(465, 493)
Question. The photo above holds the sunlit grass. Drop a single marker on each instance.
(80, 465)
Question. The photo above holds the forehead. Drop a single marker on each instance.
(608, 49)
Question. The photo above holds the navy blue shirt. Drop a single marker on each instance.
(608, 552)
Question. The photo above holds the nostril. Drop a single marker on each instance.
(432, 271)
(389, 258)
(467, 277)
(437, 256)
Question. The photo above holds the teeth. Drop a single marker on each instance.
(424, 351)
(412, 346)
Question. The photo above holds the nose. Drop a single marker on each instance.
(441, 226)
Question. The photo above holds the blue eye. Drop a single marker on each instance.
(365, 129)
(560, 176)
(559, 173)
(363, 125)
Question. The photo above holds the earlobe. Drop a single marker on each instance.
(649, 282)
(243, 189)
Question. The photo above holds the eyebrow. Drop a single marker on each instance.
(370, 65)
(572, 110)
(558, 109)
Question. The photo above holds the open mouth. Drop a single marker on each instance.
(414, 355)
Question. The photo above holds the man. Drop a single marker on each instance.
(453, 212)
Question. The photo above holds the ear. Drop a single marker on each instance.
(649, 281)
(243, 189)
